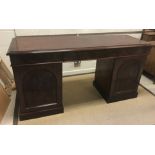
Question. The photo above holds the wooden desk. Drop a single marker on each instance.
(37, 66)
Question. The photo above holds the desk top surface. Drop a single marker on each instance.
(62, 43)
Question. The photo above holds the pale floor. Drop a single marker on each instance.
(83, 105)
(148, 84)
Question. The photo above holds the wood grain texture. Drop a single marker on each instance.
(62, 43)
(149, 68)
(39, 88)
(37, 66)
(118, 79)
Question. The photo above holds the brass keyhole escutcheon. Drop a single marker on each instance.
(77, 63)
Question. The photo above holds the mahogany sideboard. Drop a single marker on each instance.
(37, 66)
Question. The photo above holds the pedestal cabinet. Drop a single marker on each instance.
(118, 79)
(40, 89)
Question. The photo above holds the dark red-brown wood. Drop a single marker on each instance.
(118, 79)
(62, 43)
(37, 66)
(40, 89)
(149, 68)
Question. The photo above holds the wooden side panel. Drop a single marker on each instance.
(149, 69)
(39, 89)
(150, 63)
(103, 76)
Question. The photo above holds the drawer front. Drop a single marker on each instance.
(23, 59)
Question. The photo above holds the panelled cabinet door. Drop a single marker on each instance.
(127, 74)
(39, 86)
